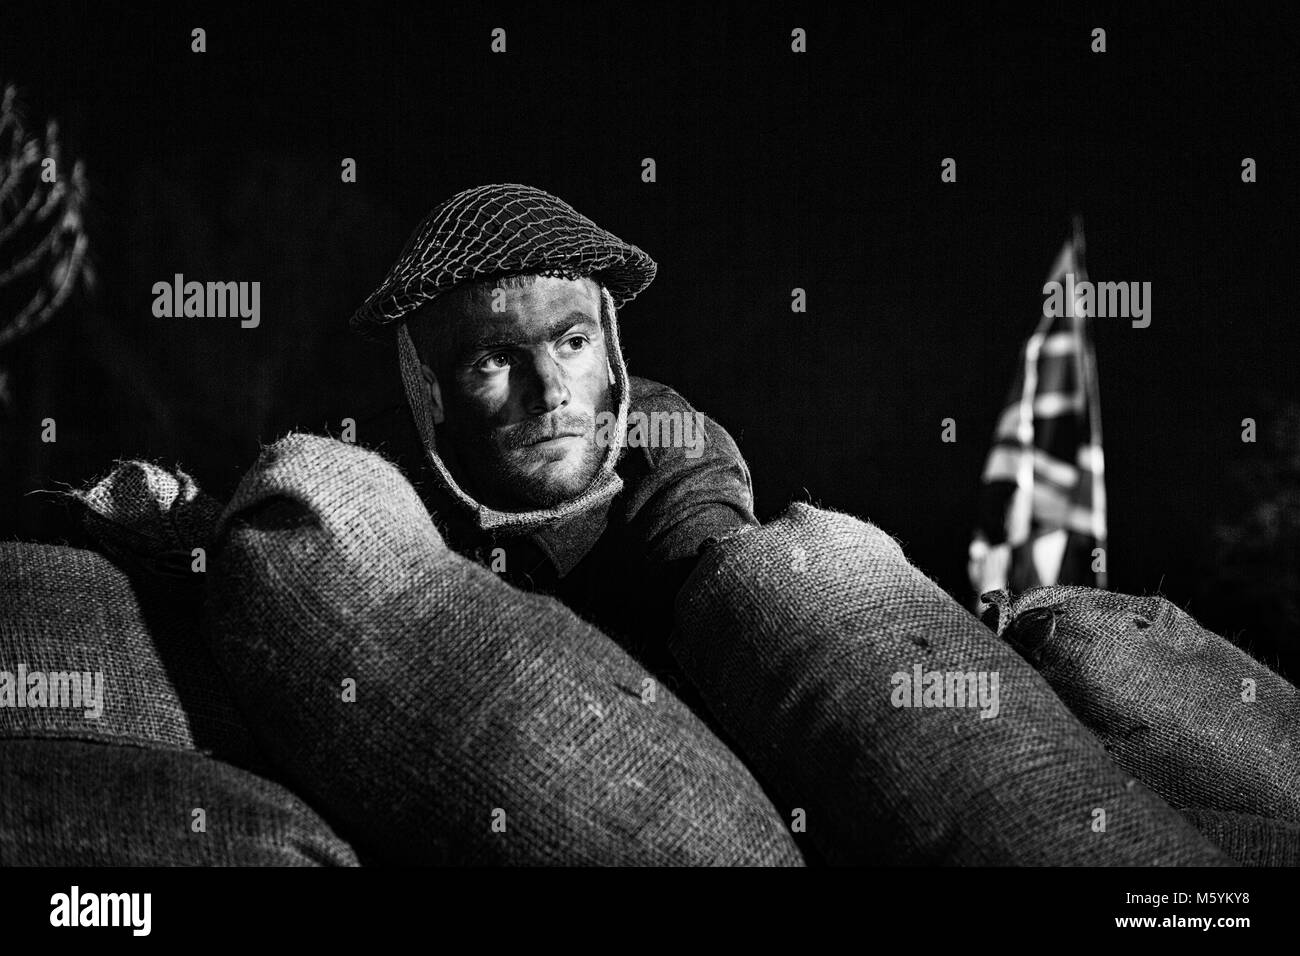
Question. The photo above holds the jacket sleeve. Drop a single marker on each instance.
(682, 494)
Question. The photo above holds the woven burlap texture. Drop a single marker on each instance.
(69, 610)
(793, 633)
(71, 803)
(471, 697)
(1166, 696)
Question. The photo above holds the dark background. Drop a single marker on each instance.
(775, 170)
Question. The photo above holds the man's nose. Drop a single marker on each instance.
(546, 389)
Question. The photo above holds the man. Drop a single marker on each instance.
(503, 306)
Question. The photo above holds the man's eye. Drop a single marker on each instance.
(576, 342)
(499, 360)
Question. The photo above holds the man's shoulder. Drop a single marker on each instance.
(684, 475)
(648, 395)
(663, 426)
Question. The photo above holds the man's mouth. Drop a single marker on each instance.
(541, 434)
(554, 438)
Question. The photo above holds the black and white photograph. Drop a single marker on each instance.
(504, 436)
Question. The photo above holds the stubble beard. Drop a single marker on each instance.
(510, 475)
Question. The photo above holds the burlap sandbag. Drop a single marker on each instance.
(1248, 839)
(488, 726)
(794, 631)
(1166, 696)
(73, 803)
(66, 611)
(149, 519)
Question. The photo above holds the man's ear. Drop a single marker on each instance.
(434, 392)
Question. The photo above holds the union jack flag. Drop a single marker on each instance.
(1042, 503)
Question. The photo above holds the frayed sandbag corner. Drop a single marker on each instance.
(1190, 714)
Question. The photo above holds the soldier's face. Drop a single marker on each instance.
(524, 376)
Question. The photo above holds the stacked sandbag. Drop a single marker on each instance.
(75, 803)
(88, 654)
(1191, 715)
(112, 710)
(807, 637)
(435, 714)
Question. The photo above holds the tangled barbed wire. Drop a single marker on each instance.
(43, 240)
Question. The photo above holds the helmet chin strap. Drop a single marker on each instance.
(606, 483)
